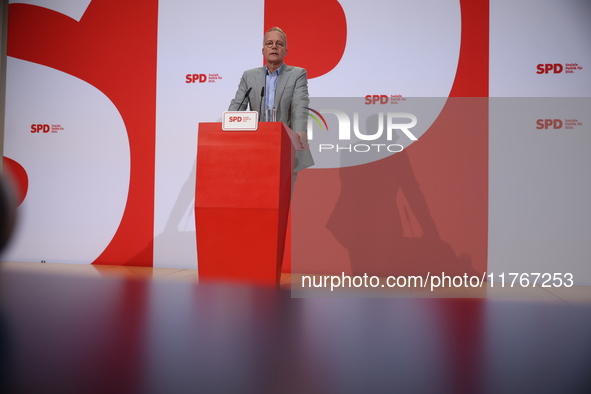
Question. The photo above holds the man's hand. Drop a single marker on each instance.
(303, 138)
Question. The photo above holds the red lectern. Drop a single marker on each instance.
(242, 196)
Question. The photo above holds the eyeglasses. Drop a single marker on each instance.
(278, 44)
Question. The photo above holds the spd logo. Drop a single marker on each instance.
(202, 78)
(195, 78)
(545, 124)
(376, 99)
(373, 99)
(555, 68)
(40, 128)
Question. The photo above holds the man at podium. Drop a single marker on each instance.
(278, 90)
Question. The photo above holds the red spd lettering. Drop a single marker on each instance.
(192, 78)
(374, 99)
(547, 123)
(556, 68)
(36, 128)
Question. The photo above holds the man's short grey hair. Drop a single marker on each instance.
(277, 29)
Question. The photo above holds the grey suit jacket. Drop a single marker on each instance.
(291, 98)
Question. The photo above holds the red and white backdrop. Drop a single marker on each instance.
(104, 98)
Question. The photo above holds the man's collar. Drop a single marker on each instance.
(278, 70)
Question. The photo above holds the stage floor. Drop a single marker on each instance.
(564, 295)
(83, 329)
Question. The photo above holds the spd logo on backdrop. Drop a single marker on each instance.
(374, 99)
(558, 68)
(557, 124)
(202, 78)
(44, 128)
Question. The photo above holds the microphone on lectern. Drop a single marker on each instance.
(261, 106)
(245, 96)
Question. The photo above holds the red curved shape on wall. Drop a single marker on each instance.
(316, 31)
(472, 74)
(113, 48)
(18, 176)
(443, 178)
